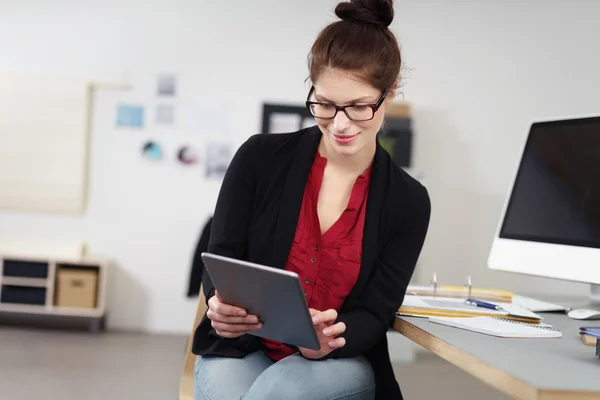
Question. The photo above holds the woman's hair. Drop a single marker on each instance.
(360, 43)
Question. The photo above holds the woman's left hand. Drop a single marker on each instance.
(327, 333)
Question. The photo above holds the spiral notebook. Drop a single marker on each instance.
(501, 327)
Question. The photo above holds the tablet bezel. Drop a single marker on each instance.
(244, 284)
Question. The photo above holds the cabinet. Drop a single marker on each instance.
(53, 287)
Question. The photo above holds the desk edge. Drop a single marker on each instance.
(498, 379)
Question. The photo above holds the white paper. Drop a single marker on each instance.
(284, 123)
(414, 301)
(165, 114)
(498, 327)
(206, 117)
(535, 305)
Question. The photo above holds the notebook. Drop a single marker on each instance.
(589, 340)
(501, 327)
(589, 335)
(428, 306)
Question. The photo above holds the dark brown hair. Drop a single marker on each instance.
(360, 43)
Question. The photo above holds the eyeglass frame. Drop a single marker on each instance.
(374, 106)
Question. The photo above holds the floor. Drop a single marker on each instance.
(57, 365)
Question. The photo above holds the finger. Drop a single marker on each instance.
(214, 316)
(313, 311)
(236, 328)
(337, 343)
(335, 329)
(325, 316)
(227, 309)
(213, 301)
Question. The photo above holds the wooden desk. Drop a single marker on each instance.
(524, 369)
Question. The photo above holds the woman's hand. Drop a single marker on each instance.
(327, 333)
(230, 321)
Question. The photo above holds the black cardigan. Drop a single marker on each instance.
(255, 220)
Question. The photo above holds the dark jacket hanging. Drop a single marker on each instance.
(197, 263)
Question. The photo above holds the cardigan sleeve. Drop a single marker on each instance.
(231, 219)
(385, 291)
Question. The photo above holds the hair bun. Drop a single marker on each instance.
(373, 12)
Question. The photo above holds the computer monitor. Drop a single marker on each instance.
(550, 222)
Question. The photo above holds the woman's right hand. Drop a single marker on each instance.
(230, 321)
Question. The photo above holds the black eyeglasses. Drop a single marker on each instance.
(354, 112)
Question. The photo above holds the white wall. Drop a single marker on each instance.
(479, 71)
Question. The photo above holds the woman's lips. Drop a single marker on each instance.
(344, 139)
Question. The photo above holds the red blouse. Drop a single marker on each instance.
(328, 264)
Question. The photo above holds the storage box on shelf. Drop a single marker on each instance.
(54, 287)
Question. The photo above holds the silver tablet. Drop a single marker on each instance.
(274, 295)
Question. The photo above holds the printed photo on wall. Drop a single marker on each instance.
(187, 156)
(167, 85)
(152, 151)
(130, 116)
(165, 115)
(217, 159)
(283, 118)
(284, 123)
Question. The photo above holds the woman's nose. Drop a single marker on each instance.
(341, 121)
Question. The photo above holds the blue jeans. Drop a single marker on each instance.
(256, 377)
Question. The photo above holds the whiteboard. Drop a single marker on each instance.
(44, 138)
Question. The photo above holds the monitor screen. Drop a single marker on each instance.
(556, 194)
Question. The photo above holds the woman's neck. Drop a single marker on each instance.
(354, 164)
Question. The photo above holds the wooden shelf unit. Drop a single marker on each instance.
(29, 287)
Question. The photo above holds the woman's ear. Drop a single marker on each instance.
(393, 90)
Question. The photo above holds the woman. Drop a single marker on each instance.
(328, 203)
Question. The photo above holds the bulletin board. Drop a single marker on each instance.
(44, 140)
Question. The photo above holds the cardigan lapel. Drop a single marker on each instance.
(291, 202)
(293, 192)
(373, 216)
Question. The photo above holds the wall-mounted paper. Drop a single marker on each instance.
(218, 157)
(165, 114)
(187, 156)
(151, 151)
(206, 117)
(130, 116)
(284, 123)
(167, 85)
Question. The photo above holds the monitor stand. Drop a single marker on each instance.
(594, 302)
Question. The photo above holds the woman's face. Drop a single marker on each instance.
(341, 134)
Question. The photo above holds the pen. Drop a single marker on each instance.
(479, 303)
